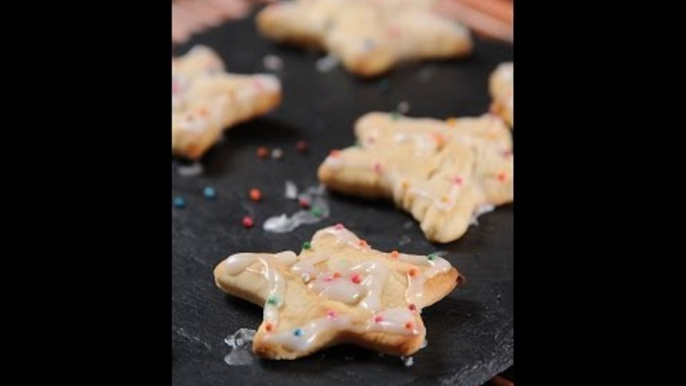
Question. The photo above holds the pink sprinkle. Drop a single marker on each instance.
(378, 319)
(328, 278)
(331, 314)
(413, 308)
(458, 180)
(356, 279)
(507, 153)
(377, 167)
(339, 226)
(258, 84)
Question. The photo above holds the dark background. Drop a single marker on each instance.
(470, 333)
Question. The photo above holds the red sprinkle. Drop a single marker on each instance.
(377, 167)
(331, 314)
(248, 222)
(339, 226)
(356, 279)
(394, 254)
(335, 153)
(336, 275)
(378, 319)
(458, 180)
(501, 176)
(363, 243)
(255, 195)
(413, 272)
(301, 146)
(303, 203)
(412, 307)
(262, 152)
(409, 325)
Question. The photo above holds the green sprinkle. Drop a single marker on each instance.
(316, 211)
(307, 245)
(431, 257)
(395, 115)
(272, 300)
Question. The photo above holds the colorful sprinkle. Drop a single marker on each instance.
(363, 243)
(301, 146)
(339, 226)
(357, 279)
(445, 199)
(501, 176)
(412, 307)
(316, 211)
(458, 181)
(262, 152)
(269, 327)
(451, 121)
(305, 277)
(179, 202)
(395, 115)
(409, 325)
(248, 222)
(405, 185)
(431, 257)
(304, 203)
(413, 272)
(394, 254)
(378, 319)
(331, 314)
(272, 300)
(277, 153)
(209, 193)
(255, 195)
(336, 275)
(307, 245)
(377, 167)
(335, 153)
(298, 332)
(202, 111)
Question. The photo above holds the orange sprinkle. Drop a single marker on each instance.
(363, 243)
(409, 325)
(269, 327)
(337, 274)
(202, 111)
(451, 121)
(438, 137)
(394, 254)
(405, 185)
(335, 153)
(444, 199)
(501, 176)
(255, 195)
(262, 152)
(413, 272)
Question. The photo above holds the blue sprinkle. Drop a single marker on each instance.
(369, 44)
(179, 202)
(298, 332)
(210, 193)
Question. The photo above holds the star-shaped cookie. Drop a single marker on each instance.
(337, 290)
(206, 100)
(501, 86)
(443, 172)
(368, 36)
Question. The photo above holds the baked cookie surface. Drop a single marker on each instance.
(206, 100)
(501, 87)
(368, 36)
(337, 290)
(443, 172)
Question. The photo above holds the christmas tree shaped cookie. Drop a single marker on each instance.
(206, 100)
(445, 173)
(368, 36)
(337, 290)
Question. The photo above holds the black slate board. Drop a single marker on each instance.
(470, 333)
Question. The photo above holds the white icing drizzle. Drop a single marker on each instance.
(399, 321)
(303, 338)
(277, 284)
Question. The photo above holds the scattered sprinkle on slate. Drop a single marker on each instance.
(304, 203)
(210, 193)
(255, 195)
(248, 222)
(179, 202)
(277, 153)
(301, 146)
(272, 62)
(262, 152)
(403, 107)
